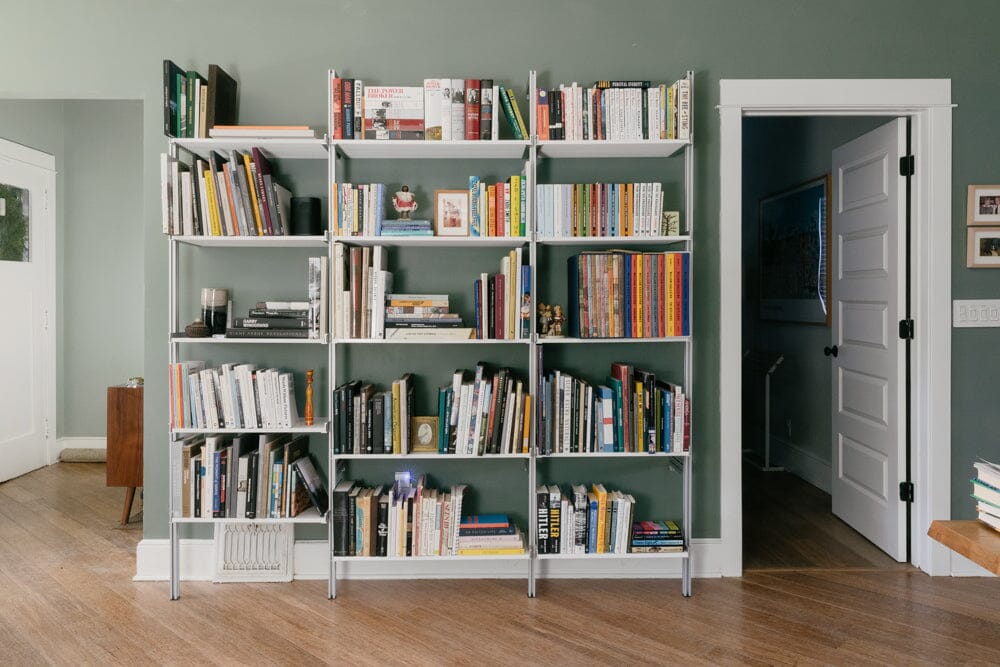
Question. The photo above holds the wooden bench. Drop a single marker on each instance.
(972, 539)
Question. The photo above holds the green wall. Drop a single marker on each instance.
(99, 272)
(279, 52)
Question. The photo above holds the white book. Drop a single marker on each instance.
(515, 310)
(457, 109)
(446, 97)
(359, 108)
(187, 204)
(497, 110)
(324, 297)
(338, 290)
(683, 109)
(313, 290)
(432, 109)
(464, 419)
(508, 425)
(221, 196)
(242, 488)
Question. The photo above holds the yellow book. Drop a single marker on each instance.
(213, 206)
(671, 324)
(638, 296)
(602, 507)
(511, 305)
(527, 424)
(517, 113)
(395, 418)
(515, 205)
(512, 551)
(640, 426)
(252, 189)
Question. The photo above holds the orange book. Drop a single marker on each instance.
(639, 296)
(671, 325)
(525, 441)
(629, 209)
(602, 507)
(622, 209)
(252, 189)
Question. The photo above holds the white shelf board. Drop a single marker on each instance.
(253, 241)
(615, 455)
(295, 149)
(428, 341)
(435, 241)
(434, 150)
(674, 554)
(609, 149)
(310, 516)
(433, 456)
(410, 559)
(318, 427)
(612, 240)
(229, 341)
(605, 341)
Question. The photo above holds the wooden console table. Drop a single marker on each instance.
(972, 539)
(125, 442)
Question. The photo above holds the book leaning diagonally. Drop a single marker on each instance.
(430, 333)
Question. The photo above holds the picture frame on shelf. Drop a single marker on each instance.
(983, 207)
(794, 253)
(451, 212)
(425, 434)
(984, 248)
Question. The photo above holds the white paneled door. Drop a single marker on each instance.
(868, 298)
(27, 294)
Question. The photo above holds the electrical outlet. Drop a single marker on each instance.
(976, 313)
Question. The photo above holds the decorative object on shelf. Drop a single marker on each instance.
(425, 434)
(544, 319)
(214, 308)
(198, 329)
(794, 253)
(671, 224)
(309, 398)
(451, 212)
(404, 202)
(556, 331)
(305, 216)
(984, 205)
(984, 248)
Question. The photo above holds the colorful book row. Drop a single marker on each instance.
(604, 209)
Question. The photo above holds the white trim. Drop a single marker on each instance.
(22, 153)
(963, 567)
(928, 103)
(312, 557)
(88, 442)
(800, 462)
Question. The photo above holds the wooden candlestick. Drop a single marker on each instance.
(309, 397)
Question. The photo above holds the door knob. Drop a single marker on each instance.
(830, 350)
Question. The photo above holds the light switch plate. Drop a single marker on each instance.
(976, 313)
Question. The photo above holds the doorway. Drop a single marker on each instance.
(927, 104)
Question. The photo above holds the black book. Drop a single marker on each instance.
(271, 322)
(382, 534)
(574, 431)
(253, 465)
(222, 105)
(171, 97)
(492, 444)
(491, 315)
(352, 521)
(369, 408)
(555, 115)
(542, 519)
(486, 109)
(256, 332)
(270, 312)
(409, 525)
(340, 518)
(648, 407)
(350, 391)
(197, 486)
(312, 482)
(377, 422)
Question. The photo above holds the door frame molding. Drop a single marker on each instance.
(46, 229)
(928, 103)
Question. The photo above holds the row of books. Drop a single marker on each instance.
(498, 209)
(632, 411)
(627, 294)
(367, 421)
(192, 104)
(440, 110)
(231, 194)
(230, 396)
(264, 476)
(604, 209)
(598, 521)
(503, 300)
(615, 111)
(485, 412)
(360, 209)
(361, 281)
(986, 491)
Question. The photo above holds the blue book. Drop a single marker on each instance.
(627, 305)
(591, 524)
(485, 521)
(348, 106)
(480, 325)
(616, 387)
(475, 223)
(442, 417)
(217, 463)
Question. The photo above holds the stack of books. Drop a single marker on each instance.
(262, 132)
(656, 537)
(489, 535)
(192, 104)
(406, 228)
(410, 316)
(986, 491)
(604, 209)
(273, 319)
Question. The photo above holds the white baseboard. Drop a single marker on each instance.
(800, 462)
(84, 442)
(963, 567)
(152, 559)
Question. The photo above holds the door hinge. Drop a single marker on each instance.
(46, 429)
(45, 319)
(907, 165)
(906, 492)
(906, 329)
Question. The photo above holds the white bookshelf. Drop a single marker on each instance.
(431, 150)
(252, 241)
(280, 149)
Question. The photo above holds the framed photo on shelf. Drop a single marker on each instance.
(425, 434)
(984, 205)
(794, 253)
(984, 248)
(451, 212)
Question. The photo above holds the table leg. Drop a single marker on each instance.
(127, 510)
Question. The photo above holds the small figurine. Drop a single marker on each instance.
(544, 319)
(557, 322)
(404, 202)
(309, 398)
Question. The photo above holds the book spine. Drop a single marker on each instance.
(508, 113)
(472, 109)
(486, 109)
(347, 108)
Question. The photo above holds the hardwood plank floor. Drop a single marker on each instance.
(67, 597)
(789, 524)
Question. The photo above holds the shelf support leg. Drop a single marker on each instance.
(175, 566)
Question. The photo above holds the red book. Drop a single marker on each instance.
(485, 521)
(357, 268)
(649, 307)
(498, 307)
(623, 372)
(501, 218)
(336, 105)
(542, 115)
(396, 124)
(472, 109)
(678, 291)
(661, 304)
(264, 169)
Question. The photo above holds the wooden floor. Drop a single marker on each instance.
(66, 597)
(789, 524)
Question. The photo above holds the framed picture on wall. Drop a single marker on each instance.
(794, 253)
(451, 212)
(983, 207)
(984, 248)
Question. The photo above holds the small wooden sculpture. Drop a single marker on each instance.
(309, 397)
